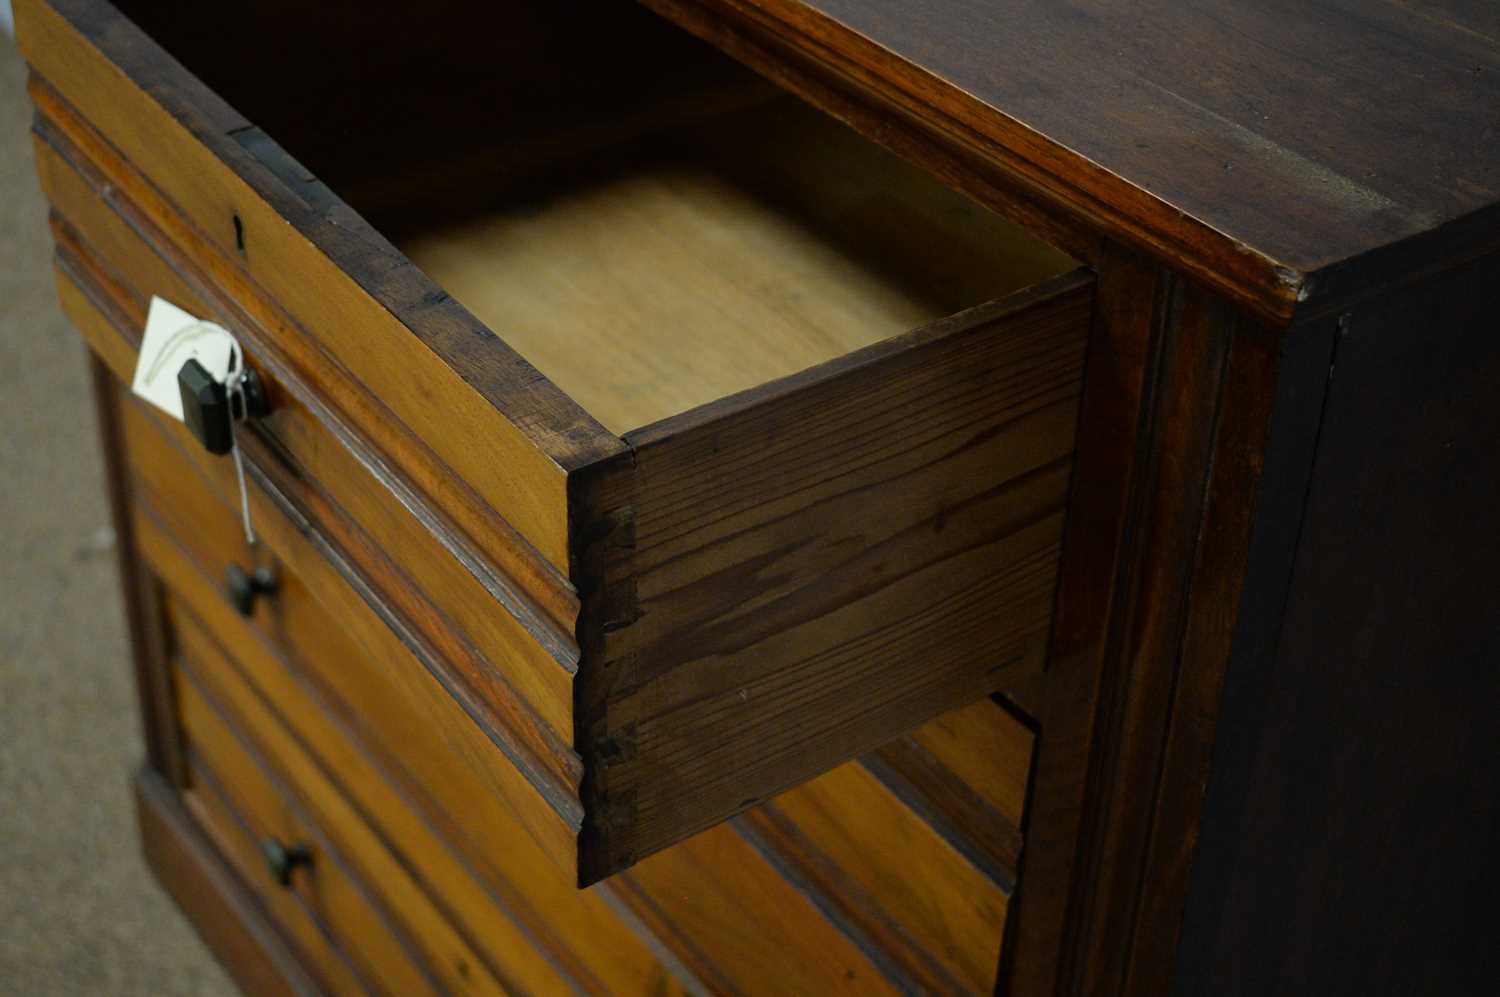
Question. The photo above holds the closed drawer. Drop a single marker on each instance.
(321, 611)
(227, 722)
(871, 878)
(909, 853)
(342, 931)
(748, 453)
(443, 800)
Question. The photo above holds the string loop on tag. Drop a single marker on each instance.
(239, 410)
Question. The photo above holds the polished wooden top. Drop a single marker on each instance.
(1284, 147)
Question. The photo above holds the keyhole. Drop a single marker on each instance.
(239, 234)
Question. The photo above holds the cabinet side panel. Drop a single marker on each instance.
(1348, 844)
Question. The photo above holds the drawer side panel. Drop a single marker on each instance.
(796, 575)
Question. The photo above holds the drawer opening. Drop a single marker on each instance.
(795, 480)
(649, 224)
(719, 256)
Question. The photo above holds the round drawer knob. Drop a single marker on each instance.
(283, 860)
(244, 587)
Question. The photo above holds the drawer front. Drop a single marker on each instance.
(908, 861)
(856, 862)
(191, 531)
(284, 246)
(211, 680)
(440, 794)
(342, 932)
(492, 632)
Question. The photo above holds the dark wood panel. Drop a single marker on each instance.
(1237, 597)
(792, 576)
(1349, 843)
(1169, 479)
(1259, 146)
(143, 615)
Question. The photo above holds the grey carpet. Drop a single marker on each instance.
(79, 913)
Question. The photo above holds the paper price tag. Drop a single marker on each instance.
(173, 337)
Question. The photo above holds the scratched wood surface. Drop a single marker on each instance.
(1265, 147)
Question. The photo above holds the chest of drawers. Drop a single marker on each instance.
(801, 497)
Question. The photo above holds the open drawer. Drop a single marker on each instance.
(760, 435)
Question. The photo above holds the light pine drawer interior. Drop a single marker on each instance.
(722, 255)
(752, 440)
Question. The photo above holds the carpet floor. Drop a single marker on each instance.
(79, 912)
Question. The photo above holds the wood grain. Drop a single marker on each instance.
(336, 921)
(740, 926)
(206, 523)
(815, 568)
(842, 834)
(204, 514)
(201, 493)
(420, 743)
(427, 745)
(228, 919)
(721, 257)
(455, 960)
(839, 836)
(521, 633)
(118, 225)
(1347, 841)
(403, 464)
(982, 834)
(1171, 511)
(343, 285)
(955, 466)
(143, 616)
(1215, 136)
(426, 786)
(987, 749)
(883, 866)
